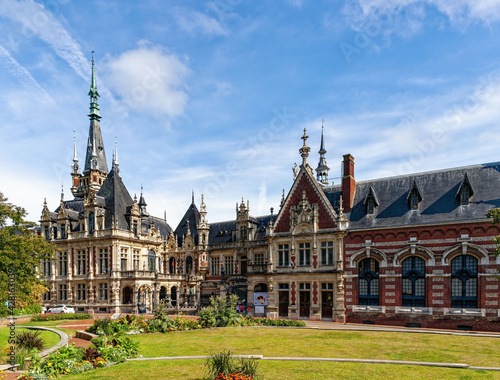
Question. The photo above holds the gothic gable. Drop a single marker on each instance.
(306, 203)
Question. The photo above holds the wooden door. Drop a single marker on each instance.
(327, 305)
(283, 303)
(305, 303)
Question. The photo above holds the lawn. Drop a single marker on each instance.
(193, 370)
(475, 351)
(52, 324)
(51, 339)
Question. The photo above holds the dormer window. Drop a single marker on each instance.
(371, 201)
(414, 197)
(63, 231)
(465, 191)
(91, 223)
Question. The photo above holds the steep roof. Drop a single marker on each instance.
(117, 200)
(439, 202)
(192, 216)
(95, 137)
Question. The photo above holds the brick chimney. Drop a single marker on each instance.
(348, 182)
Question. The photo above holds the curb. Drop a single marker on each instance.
(63, 341)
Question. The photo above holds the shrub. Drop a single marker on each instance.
(220, 313)
(57, 317)
(29, 340)
(222, 366)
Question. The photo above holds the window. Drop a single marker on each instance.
(63, 292)
(258, 259)
(464, 196)
(81, 263)
(464, 282)
(124, 256)
(370, 206)
(305, 254)
(304, 286)
(103, 261)
(229, 264)
(54, 231)
(368, 282)
(414, 201)
(63, 231)
(215, 266)
(80, 292)
(46, 268)
(47, 233)
(151, 260)
(283, 287)
(135, 229)
(91, 223)
(63, 264)
(103, 292)
(136, 259)
(283, 255)
(413, 281)
(327, 286)
(327, 253)
(46, 296)
(244, 233)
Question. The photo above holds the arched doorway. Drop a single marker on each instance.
(163, 293)
(127, 295)
(171, 265)
(173, 296)
(189, 265)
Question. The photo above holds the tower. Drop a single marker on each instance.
(96, 168)
(322, 169)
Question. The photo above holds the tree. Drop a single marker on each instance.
(495, 215)
(23, 251)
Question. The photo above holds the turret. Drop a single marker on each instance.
(322, 169)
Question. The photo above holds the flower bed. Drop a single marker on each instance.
(58, 317)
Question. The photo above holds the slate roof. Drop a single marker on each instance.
(95, 129)
(439, 203)
(222, 232)
(160, 224)
(117, 199)
(192, 216)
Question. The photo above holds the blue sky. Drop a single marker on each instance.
(214, 95)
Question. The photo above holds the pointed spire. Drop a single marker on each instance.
(322, 169)
(94, 106)
(62, 193)
(192, 196)
(75, 166)
(116, 168)
(94, 163)
(282, 199)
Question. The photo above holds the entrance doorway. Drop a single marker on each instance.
(283, 303)
(305, 303)
(127, 295)
(327, 304)
(173, 296)
(243, 265)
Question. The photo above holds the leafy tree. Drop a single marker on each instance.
(22, 250)
(495, 215)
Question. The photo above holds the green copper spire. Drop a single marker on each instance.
(94, 106)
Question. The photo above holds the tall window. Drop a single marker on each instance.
(91, 223)
(151, 260)
(229, 264)
(215, 266)
(464, 196)
(103, 260)
(46, 268)
(413, 281)
(327, 253)
(283, 255)
(464, 282)
(305, 254)
(47, 233)
(80, 292)
(103, 291)
(63, 231)
(136, 259)
(258, 259)
(124, 257)
(47, 296)
(63, 292)
(81, 262)
(63, 263)
(135, 229)
(368, 282)
(244, 233)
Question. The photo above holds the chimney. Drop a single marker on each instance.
(348, 182)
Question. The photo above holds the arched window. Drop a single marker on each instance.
(413, 281)
(189, 264)
(368, 282)
(464, 282)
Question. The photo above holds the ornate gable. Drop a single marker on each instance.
(306, 202)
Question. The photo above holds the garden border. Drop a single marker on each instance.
(63, 341)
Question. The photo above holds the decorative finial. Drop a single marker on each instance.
(192, 196)
(62, 192)
(282, 198)
(165, 215)
(116, 167)
(304, 151)
(322, 169)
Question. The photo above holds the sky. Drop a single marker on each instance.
(213, 96)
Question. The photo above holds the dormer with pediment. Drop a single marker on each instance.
(465, 191)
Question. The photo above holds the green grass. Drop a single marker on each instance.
(50, 338)
(475, 351)
(194, 370)
(51, 324)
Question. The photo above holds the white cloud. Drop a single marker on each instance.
(192, 21)
(149, 78)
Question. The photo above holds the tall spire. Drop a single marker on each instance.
(322, 169)
(115, 158)
(94, 106)
(192, 196)
(95, 142)
(75, 166)
(94, 163)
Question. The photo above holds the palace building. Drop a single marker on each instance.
(413, 250)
